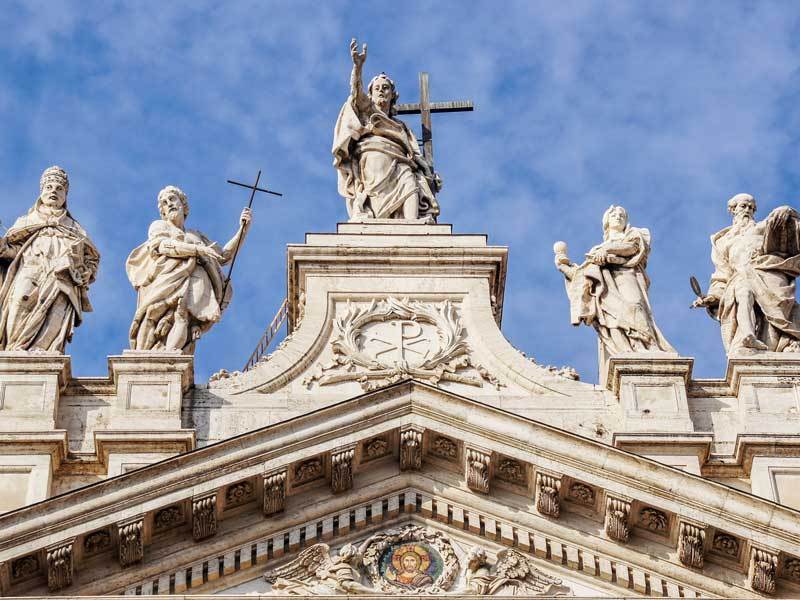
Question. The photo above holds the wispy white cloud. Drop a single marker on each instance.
(666, 108)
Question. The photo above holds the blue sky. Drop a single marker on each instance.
(668, 108)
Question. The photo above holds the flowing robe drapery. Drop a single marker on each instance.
(167, 283)
(47, 263)
(613, 299)
(375, 157)
(756, 264)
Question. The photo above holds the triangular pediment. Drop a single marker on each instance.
(225, 513)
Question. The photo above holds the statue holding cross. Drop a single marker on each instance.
(381, 171)
(178, 275)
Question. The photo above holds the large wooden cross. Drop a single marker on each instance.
(425, 107)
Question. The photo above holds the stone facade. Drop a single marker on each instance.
(395, 403)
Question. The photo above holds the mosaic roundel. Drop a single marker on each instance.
(411, 565)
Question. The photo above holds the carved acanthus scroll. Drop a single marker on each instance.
(59, 566)
(342, 470)
(477, 470)
(131, 542)
(618, 513)
(204, 517)
(691, 544)
(763, 570)
(411, 449)
(548, 499)
(274, 492)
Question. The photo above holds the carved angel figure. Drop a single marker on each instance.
(315, 573)
(514, 575)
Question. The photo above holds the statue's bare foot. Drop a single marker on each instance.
(792, 347)
(754, 343)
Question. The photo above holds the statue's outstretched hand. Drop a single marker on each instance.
(358, 58)
(705, 302)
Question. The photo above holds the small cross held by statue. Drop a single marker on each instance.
(253, 189)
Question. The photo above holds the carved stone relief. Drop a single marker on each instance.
(308, 470)
(617, 518)
(512, 471)
(653, 520)
(59, 566)
(581, 493)
(167, 518)
(763, 570)
(514, 574)
(410, 559)
(24, 567)
(131, 542)
(791, 569)
(548, 498)
(96, 542)
(392, 340)
(342, 470)
(726, 545)
(477, 470)
(274, 492)
(375, 448)
(691, 545)
(410, 449)
(239, 493)
(445, 448)
(204, 517)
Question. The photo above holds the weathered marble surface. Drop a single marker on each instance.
(47, 263)
(381, 171)
(752, 292)
(178, 277)
(609, 290)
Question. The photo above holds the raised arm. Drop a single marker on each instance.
(356, 80)
(238, 238)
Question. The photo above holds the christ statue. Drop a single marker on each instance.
(381, 171)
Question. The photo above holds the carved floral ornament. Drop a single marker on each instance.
(391, 340)
(410, 560)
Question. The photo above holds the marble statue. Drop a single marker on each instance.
(752, 290)
(314, 573)
(381, 172)
(609, 289)
(178, 276)
(47, 263)
(514, 575)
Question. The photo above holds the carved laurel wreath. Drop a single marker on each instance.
(351, 363)
(373, 549)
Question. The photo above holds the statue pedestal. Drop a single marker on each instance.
(145, 418)
(651, 388)
(31, 448)
(767, 387)
(30, 388)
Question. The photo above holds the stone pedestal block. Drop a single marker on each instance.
(767, 387)
(651, 388)
(149, 389)
(30, 388)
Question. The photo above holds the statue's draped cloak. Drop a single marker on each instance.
(40, 301)
(375, 155)
(613, 299)
(769, 276)
(162, 282)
